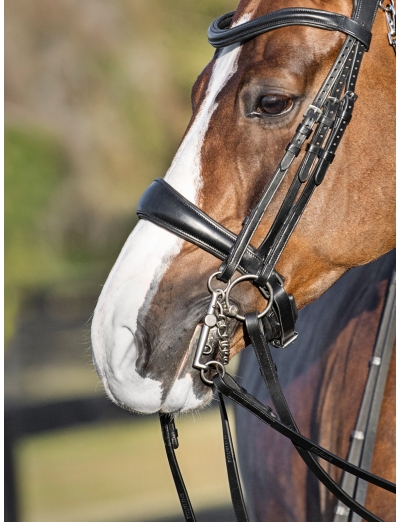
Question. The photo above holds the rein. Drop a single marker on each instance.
(323, 125)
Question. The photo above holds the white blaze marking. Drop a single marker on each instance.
(135, 275)
(181, 396)
(142, 263)
(185, 171)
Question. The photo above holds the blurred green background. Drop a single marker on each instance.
(97, 98)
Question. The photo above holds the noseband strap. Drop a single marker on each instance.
(185, 220)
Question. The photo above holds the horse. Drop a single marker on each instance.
(246, 106)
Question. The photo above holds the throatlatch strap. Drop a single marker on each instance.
(170, 436)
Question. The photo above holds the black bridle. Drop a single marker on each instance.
(322, 127)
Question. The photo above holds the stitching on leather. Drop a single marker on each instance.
(172, 228)
(239, 31)
(204, 217)
(285, 13)
(294, 21)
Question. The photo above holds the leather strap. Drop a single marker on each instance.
(326, 156)
(235, 486)
(303, 132)
(311, 155)
(170, 436)
(163, 205)
(364, 434)
(364, 12)
(185, 220)
(230, 388)
(269, 374)
(220, 34)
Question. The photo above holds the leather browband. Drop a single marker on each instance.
(220, 34)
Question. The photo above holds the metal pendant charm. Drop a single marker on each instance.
(214, 318)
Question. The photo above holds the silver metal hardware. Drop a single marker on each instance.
(357, 434)
(215, 317)
(376, 361)
(277, 343)
(390, 13)
(333, 99)
(311, 121)
(210, 320)
(224, 345)
(218, 309)
(210, 288)
(315, 109)
(342, 510)
(349, 94)
(207, 349)
(248, 277)
(205, 330)
(207, 368)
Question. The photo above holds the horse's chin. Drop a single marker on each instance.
(182, 398)
(147, 397)
(139, 391)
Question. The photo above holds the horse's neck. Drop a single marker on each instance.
(323, 375)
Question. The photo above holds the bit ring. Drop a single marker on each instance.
(211, 290)
(245, 278)
(210, 363)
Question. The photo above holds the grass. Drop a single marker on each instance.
(119, 471)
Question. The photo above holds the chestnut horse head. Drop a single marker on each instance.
(247, 104)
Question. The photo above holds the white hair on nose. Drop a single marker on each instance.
(141, 265)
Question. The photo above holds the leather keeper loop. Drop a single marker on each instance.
(303, 129)
(328, 122)
(346, 116)
(326, 155)
(314, 149)
(294, 149)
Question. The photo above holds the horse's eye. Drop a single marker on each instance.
(274, 104)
